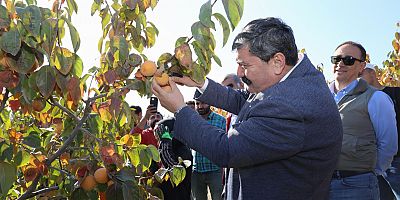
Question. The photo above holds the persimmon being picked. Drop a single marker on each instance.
(162, 80)
(100, 175)
(148, 68)
(167, 88)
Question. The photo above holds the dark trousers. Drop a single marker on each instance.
(385, 190)
(393, 176)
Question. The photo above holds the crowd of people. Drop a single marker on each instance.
(287, 134)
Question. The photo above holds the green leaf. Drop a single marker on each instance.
(180, 41)
(25, 60)
(201, 33)
(163, 58)
(114, 192)
(8, 175)
(130, 190)
(45, 80)
(4, 18)
(10, 41)
(31, 18)
(77, 67)
(142, 19)
(79, 193)
(46, 13)
(28, 92)
(61, 81)
(198, 73)
(62, 59)
(217, 60)
(160, 174)
(134, 156)
(234, 11)
(153, 3)
(72, 6)
(178, 174)
(125, 175)
(95, 7)
(145, 159)
(6, 153)
(69, 126)
(32, 140)
(205, 15)
(116, 6)
(155, 28)
(121, 44)
(225, 27)
(31, 2)
(100, 45)
(105, 17)
(48, 35)
(199, 50)
(150, 36)
(21, 158)
(75, 39)
(152, 150)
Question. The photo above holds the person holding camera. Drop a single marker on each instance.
(171, 151)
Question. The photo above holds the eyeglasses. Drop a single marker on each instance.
(230, 85)
(347, 60)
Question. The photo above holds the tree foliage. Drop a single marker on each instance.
(389, 75)
(59, 123)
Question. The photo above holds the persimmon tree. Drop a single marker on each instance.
(389, 75)
(61, 124)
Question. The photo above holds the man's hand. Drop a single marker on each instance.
(171, 101)
(187, 81)
(151, 110)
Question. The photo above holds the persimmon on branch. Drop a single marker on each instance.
(31, 189)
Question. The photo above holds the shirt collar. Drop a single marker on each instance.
(343, 92)
(209, 117)
(346, 89)
(301, 57)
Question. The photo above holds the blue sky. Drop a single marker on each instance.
(319, 26)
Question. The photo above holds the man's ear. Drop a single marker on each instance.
(278, 63)
(362, 67)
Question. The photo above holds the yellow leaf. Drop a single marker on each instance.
(105, 115)
(395, 45)
(70, 104)
(127, 140)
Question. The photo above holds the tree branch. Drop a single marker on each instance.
(75, 132)
(68, 112)
(3, 102)
(92, 99)
(61, 150)
(91, 135)
(41, 191)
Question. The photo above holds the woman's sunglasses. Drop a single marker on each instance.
(347, 60)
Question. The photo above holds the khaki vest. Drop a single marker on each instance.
(359, 141)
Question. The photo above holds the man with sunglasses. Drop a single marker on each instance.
(286, 140)
(369, 127)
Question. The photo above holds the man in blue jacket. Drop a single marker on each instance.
(287, 138)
